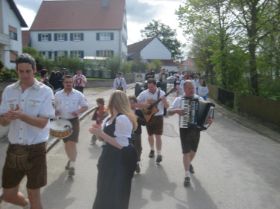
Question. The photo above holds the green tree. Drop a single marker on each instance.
(166, 35)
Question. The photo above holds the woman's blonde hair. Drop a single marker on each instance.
(119, 101)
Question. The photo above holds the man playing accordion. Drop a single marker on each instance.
(189, 135)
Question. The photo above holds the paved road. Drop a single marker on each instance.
(236, 168)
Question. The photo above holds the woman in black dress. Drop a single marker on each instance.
(118, 159)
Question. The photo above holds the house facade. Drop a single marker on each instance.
(11, 22)
(81, 28)
(152, 49)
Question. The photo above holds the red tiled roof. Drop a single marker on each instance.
(79, 15)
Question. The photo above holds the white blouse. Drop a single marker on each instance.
(123, 130)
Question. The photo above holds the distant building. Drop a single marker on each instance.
(188, 65)
(152, 49)
(11, 22)
(80, 28)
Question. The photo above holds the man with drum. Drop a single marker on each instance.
(69, 104)
(155, 124)
(26, 106)
(189, 136)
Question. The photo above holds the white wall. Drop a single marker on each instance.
(89, 45)
(9, 18)
(155, 50)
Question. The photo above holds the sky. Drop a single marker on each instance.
(139, 14)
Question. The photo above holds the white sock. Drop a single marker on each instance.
(187, 174)
(72, 164)
(158, 152)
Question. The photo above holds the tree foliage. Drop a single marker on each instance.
(237, 39)
(166, 35)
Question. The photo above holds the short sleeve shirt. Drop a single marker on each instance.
(147, 95)
(36, 101)
(68, 103)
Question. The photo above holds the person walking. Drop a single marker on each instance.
(26, 106)
(69, 104)
(99, 114)
(136, 136)
(203, 90)
(189, 136)
(155, 124)
(117, 162)
(119, 83)
(80, 81)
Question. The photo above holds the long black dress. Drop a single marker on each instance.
(115, 171)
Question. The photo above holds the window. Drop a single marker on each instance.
(60, 36)
(46, 54)
(12, 33)
(105, 36)
(44, 37)
(13, 56)
(76, 36)
(77, 53)
(104, 53)
(58, 54)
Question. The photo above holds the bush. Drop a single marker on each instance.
(8, 75)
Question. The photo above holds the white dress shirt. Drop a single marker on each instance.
(66, 104)
(35, 101)
(147, 95)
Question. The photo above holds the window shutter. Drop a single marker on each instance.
(39, 37)
(82, 54)
(112, 36)
(50, 54)
(97, 36)
(65, 36)
(71, 36)
(82, 36)
(55, 37)
(50, 36)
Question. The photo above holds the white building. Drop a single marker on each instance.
(11, 22)
(81, 28)
(152, 49)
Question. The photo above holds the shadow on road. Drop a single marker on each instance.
(62, 186)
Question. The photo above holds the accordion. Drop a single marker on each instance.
(196, 113)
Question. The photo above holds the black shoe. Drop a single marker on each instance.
(67, 165)
(159, 159)
(191, 169)
(152, 154)
(187, 181)
(71, 171)
(137, 170)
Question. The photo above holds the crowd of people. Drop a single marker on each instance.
(29, 105)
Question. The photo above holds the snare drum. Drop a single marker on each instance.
(60, 128)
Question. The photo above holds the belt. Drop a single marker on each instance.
(27, 147)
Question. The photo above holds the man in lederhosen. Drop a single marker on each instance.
(26, 106)
(69, 104)
(189, 136)
(155, 124)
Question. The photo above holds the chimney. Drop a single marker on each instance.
(105, 3)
